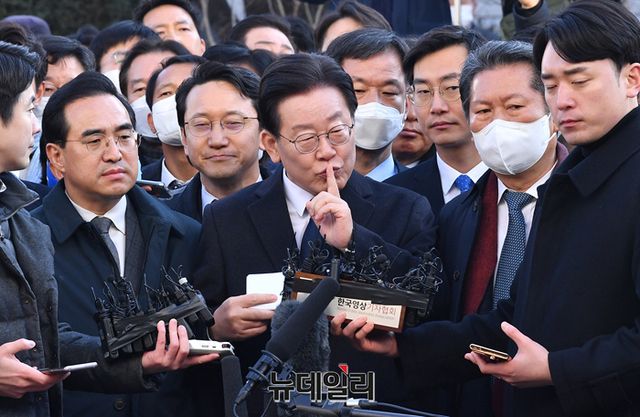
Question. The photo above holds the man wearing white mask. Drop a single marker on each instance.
(111, 45)
(173, 169)
(143, 60)
(484, 232)
(433, 68)
(373, 59)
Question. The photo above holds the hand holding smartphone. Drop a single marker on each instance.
(490, 355)
(69, 368)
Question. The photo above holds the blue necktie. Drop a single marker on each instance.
(464, 183)
(513, 247)
(310, 234)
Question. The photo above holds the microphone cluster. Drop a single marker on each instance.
(415, 289)
(125, 328)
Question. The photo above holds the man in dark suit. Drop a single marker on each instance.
(499, 83)
(562, 315)
(88, 131)
(221, 137)
(433, 67)
(306, 106)
(373, 59)
(173, 169)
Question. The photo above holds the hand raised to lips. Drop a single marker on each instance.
(331, 213)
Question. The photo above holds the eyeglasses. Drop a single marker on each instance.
(421, 94)
(231, 123)
(309, 142)
(119, 57)
(98, 143)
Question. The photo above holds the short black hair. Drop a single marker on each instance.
(590, 31)
(298, 74)
(240, 30)
(147, 46)
(59, 47)
(119, 32)
(55, 126)
(497, 54)
(365, 43)
(438, 39)
(145, 6)
(366, 16)
(17, 72)
(301, 34)
(245, 81)
(178, 59)
(237, 53)
(16, 34)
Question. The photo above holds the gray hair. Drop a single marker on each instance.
(492, 55)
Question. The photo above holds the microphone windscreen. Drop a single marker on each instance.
(287, 339)
(232, 383)
(313, 352)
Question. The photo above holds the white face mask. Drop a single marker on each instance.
(377, 125)
(466, 15)
(165, 120)
(114, 76)
(510, 148)
(40, 108)
(141, 108)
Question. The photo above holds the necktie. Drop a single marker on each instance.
(513, 247)
(310, 234)
(176, 184)
(464, 183)
(103, 224)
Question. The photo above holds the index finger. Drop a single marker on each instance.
(332, 184)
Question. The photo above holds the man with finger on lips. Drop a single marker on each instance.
(306, 105)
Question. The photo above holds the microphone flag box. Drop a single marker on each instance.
(388, 309)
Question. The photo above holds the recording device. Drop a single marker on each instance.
(204, 347)
(285, 341)
(491, 355)
(125, 328)
(68, 368)
(158, 188)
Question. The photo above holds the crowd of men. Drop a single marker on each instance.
(515, 160)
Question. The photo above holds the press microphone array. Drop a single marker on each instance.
(125, 328)
(286, 340)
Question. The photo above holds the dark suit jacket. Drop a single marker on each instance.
(250, 231)
(82, 263)
(576, 292)
(153, 171)
(188, 201)
(423, 179)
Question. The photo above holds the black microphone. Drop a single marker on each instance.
(286, 340)
(232, 384)
(314, 350)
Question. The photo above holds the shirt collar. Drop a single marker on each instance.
(206, 198)
(448, 174)
(116, 214)
(383, 171)
(295, 195)
(532, 191)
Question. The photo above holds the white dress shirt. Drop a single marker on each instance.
(383, 171)
(297, 199)
(448, 176)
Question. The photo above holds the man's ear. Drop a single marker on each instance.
(270, 144)
(632, 75)
(56, 159)
(151, 125)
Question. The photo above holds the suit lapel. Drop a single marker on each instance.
(356, 193)
(270, 216)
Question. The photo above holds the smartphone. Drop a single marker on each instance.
(489, 354)
(69, 368)
(158, 188)
(203, 347)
